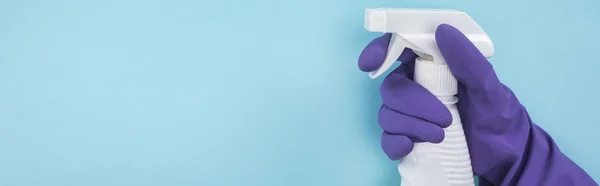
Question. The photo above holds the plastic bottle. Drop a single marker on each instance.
(447, 163)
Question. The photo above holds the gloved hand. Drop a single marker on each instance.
(506, 147)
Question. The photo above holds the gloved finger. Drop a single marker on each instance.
(466, 62)
(396, 146)
(374, 53)
(406, 96)
(406, 70)
(417, 129)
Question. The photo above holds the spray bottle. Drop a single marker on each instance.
(446, 163)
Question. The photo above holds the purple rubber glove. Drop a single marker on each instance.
(506, 147)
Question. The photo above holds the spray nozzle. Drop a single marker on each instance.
(415, 29)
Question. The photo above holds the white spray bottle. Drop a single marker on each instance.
(447, 163)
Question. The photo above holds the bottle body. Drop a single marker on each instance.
(447, 163)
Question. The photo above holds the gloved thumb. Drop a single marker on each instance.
(468, 65)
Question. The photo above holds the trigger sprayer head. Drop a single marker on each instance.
(415, 29)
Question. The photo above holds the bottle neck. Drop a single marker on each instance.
(436, 77)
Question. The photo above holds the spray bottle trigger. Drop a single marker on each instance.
(396, 46)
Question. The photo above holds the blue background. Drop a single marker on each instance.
(250, 92)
